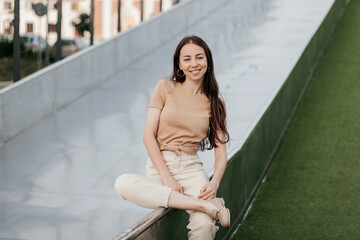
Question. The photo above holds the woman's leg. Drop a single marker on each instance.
(201, 225)
(145, 191)
(193, 177)
(149, 192)
(180, 201)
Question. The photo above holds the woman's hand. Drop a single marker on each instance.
(209, 191)
(172, 183)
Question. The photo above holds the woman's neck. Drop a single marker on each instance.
(193, 86)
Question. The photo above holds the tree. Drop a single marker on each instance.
(82, 24)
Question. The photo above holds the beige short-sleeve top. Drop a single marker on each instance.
(184, 117)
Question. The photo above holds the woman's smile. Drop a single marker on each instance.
(195, 72)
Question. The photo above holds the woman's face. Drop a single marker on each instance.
(193, 62)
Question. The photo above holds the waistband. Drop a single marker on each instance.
(179, 154)
(190, 149)
(170, 156)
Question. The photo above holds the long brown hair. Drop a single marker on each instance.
(211, 90)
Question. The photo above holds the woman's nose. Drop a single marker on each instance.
(194, 63)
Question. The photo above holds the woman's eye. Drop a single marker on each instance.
(186, 59)
(200, 57)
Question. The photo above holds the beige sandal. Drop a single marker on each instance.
(221, 214)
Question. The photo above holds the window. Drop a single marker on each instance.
(8, 30)
(52, 27)
(74, 6)
(29, 27)
(7, 5)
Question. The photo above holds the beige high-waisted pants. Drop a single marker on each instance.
(149, 192)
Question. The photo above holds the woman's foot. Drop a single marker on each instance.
(220, 213)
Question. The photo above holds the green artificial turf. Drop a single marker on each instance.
(312, 189)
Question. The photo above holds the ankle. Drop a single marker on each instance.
(209, 208)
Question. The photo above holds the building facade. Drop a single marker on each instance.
(105, 17)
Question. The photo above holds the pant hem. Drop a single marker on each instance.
(166, 198)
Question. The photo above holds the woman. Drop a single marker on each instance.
(185, 114)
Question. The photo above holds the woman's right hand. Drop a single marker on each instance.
(172, 183)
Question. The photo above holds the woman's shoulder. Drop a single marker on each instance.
(166, 85)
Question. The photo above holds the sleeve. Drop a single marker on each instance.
(158, 97)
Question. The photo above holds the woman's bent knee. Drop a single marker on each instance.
(123, 184)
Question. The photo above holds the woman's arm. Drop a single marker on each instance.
(209, 190)
(152, 147)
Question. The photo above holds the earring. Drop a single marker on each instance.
(179, 73)
(208, 68)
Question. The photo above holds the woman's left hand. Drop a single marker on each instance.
(208, 191)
